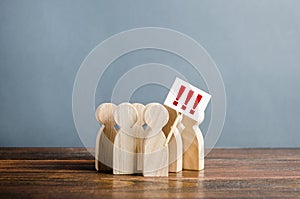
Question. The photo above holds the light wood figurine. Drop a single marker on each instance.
(124, 155)
(193, 144)
(175, 143)
(155, 152)
(105, 137)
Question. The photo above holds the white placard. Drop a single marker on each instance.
(187, 99)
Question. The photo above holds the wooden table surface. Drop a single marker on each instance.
(69, 173)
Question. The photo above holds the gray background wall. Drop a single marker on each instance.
(255, 44)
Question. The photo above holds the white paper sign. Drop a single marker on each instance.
(187, 99)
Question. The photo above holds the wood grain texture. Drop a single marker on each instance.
(70, 173)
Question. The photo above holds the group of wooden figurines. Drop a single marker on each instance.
(133, 139)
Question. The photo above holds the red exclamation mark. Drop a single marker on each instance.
(181, 90)
(198, 99)
(189, 96)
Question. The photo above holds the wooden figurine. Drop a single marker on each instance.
(105, 137)
(193, 144)
(175, 143)
(155, 152)
(124, 154)
(139, 134)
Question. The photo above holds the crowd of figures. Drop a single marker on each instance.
(132, 139)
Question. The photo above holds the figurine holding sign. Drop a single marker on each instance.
(192, 138)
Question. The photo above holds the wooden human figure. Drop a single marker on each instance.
(105, 137)
(124, 155)
(140, 135)
(193, 144)
(175, 144)
(155, 152)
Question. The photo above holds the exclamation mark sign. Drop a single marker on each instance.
(189, 96)
(198, 99)
(181, 90)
